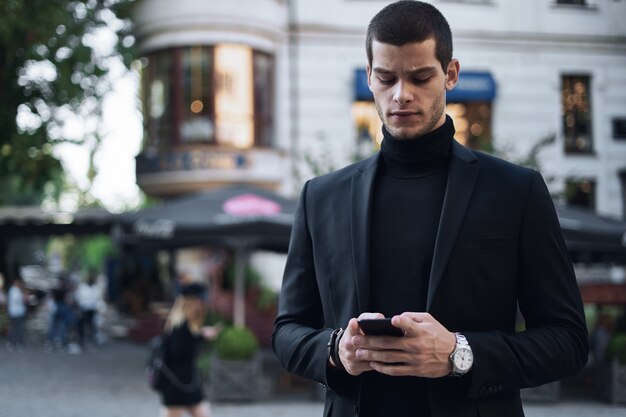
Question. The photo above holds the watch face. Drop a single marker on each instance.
(463, 359)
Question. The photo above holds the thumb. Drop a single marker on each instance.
(353, 327)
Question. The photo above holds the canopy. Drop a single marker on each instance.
(239, 217)
(27, 221)
(234, 216)
(591, 237)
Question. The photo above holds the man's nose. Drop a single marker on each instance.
(402, 93)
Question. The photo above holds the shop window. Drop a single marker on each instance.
(581, 192)
(157, 107)
(576, 113)
(472, 122)
(197, 105)
(220, 95)
(369, 134)
(263, 66)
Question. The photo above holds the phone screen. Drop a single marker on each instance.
(379, 327)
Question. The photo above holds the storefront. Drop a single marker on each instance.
(469, 104)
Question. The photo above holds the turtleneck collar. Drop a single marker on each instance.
(407, 158)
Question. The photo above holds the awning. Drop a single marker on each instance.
(26, 221)
(592, 238)
(472, 86)
(230, 216)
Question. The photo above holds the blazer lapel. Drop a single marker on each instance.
(462, 175)
(360, 204)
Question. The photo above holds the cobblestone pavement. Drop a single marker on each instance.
(109, 382)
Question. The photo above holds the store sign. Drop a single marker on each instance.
(191, 160)
(473, 86)
(250, 205)
(156, 229)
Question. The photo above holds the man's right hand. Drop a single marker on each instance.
(347, 351)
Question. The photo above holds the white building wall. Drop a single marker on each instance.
(527, 46)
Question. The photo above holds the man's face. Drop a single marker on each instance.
(409, 87)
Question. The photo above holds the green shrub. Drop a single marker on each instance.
(236, 343)
(617, 348)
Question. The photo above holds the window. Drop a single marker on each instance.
(572, 2)
(219, 95)
(576, 114)
(619, 127)
(581, 192)
(622, 179)
(472, 122)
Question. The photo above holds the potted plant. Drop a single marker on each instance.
(615, 375)
(235, 367)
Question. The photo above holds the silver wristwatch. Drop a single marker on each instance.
(461, 357)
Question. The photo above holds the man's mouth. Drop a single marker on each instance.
(401, 114)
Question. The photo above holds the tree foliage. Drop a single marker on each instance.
(54, 71)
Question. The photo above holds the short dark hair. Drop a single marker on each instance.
(410, 21)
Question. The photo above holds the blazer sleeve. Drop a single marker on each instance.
(554, 344)
(299, 339)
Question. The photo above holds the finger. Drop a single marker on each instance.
(371, 316)
(417, 317)
(379, 342)
(398, 369)
(405, 322)
(353, 328)
(384, 356)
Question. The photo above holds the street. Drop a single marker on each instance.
(109, 382)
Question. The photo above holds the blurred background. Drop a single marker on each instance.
(152, 143)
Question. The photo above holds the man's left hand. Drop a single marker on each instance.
(424, 350)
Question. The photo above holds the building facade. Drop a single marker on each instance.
(270, 92)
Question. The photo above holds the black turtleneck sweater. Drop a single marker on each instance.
(407, 200)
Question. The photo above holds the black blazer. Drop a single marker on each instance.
(499, 245)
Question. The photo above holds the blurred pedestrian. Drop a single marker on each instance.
(3, 303)
(182, 341)
(600, 337)
(88, 298)
(60, 316)
(16, 308)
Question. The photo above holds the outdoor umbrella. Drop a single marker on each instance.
(239, 217)
(587, 233)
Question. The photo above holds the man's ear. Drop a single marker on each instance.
(452, 74)
(369, 73)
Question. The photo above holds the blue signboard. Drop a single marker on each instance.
(361, 89)
(472, 86)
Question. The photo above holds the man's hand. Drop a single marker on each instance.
(423, 351)
(347, 351)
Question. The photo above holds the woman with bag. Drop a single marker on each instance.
(181, 388)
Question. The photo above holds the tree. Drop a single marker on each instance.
(54, 72)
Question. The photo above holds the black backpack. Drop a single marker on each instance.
(157, 371)
(155, 363)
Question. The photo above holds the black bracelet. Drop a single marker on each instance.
(333, 348)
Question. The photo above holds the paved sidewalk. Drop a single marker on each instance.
(109, 382)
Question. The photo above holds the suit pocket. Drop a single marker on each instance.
(485, 243)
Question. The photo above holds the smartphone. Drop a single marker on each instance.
(379, 327)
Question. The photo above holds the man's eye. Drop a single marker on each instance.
(386, 81)
(420, 80)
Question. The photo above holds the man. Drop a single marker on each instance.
(446, 241)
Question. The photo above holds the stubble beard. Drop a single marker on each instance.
(434, 115)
